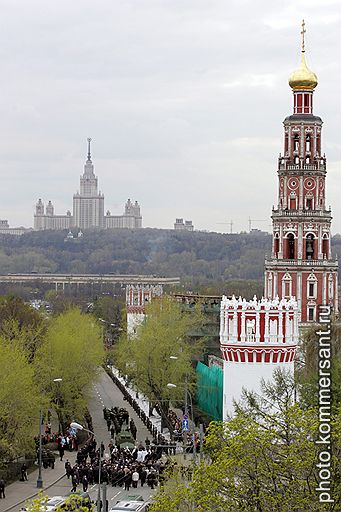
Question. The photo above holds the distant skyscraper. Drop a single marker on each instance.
(88, 204)
(88, 208)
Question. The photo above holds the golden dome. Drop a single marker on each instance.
(303, 79)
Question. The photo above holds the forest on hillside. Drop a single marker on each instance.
(199, 258)
(202, 255)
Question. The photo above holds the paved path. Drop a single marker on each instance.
(108, 395)
(17, 492)
(55, 483)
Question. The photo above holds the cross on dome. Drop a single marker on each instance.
(303, 31)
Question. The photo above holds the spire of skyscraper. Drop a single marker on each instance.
(89, 151)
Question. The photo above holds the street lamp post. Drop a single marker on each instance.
(60, 427)
(78, 426)
(40, 477)
(187, 394)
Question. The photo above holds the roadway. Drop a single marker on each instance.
(106, 394)
(103, 394)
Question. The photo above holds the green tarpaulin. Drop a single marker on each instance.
(210, 390)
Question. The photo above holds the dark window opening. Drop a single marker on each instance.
(291, 247)
(311, 290)
(318, 144)
(276, 246)
(309, 247)
(311, 314)
(309, 204)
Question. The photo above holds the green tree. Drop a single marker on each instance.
(21, 324)
(74, 502)
(262, 460)
(308, 367)
(111, 313)
(72, 351)
(20, 400)
(146, 359)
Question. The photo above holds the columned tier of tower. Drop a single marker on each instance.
(301, 234)
(257, 337)
(312, 283)
(329, 265)
(258, 324)
(318, 215)
(138, 296)
(302, 144)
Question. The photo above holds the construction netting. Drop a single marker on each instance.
(210, 390)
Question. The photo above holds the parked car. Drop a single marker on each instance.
(132, 506)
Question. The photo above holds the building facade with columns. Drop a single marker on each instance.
(138, 296)
(301, 263)
(88, 208)
(256, 338)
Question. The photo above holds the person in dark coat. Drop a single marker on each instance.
(24, 473)
(143, 476)
(67, 468)
(61, 451)
(2, 488)
(127, 481)
(74, 483)
(152, 479)
(85, 483)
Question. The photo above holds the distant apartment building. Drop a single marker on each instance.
(5, 229)
(180, 225)
(88, 208)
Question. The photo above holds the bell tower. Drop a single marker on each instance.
(301, 263)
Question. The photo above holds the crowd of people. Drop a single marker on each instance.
(121, 466)
(172, 417)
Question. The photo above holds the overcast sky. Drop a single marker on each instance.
(184, 100)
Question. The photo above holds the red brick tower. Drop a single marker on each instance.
(301, 264)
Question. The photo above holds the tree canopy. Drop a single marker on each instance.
(20, 400)
(72, 351)
(308, 371)
(264, 459)
(161, 353)
(199, 258)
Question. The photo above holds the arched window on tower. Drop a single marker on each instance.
(307, 144)
(325, 246)
(309, 201)
(312, 286)
(276, 244)
(290, 247)
(318, 145)
(297, 160)
(270, 285)
(286, 286)
(310, 247)
(296, 143)
(293, 201)
(330, 287)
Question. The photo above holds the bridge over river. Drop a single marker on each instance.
(62, 280)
